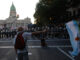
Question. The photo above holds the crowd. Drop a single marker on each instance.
(7, 34)
(53, 32)
(58, 32)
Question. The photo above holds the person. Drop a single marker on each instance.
(43, 38)
(23, 54)
(73, 30)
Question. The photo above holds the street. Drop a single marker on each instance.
(57, 50)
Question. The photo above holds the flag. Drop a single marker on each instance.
(73, 30)
(17, 15)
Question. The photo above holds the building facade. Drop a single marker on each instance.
(12, 21)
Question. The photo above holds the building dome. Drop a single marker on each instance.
(12, 11)
(13, 7)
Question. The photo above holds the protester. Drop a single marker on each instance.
(43, 38)
(22, 54)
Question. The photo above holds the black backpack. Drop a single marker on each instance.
(20, 44)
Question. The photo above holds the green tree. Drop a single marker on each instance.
(51, 11)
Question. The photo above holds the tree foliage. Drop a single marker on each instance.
(52, 11)
(75, 3)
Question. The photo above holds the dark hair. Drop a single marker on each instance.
(20, 29)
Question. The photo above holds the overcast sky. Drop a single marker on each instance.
(25, 8)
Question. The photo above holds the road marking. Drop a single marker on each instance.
(65, 53)
(6, 47)
(29, 53)
(33, 40)
(47, 40)
(60, 46)
(5, 41)
(36, 46)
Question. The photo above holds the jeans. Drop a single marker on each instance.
(23, 56)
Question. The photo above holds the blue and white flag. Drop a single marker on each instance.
(73, 30)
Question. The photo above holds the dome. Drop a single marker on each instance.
(13, 7)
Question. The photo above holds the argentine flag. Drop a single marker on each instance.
(73, 30)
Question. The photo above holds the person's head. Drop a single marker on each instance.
(20, 29)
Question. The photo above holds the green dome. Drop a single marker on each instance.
(12, 7)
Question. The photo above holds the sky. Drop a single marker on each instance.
(25, 8)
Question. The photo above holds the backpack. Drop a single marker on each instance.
(20, 44)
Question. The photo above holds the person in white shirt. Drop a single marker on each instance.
(23, 54)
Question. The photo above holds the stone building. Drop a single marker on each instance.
(12, 21)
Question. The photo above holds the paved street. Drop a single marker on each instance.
(57, 50)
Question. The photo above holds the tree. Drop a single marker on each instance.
(51, 11)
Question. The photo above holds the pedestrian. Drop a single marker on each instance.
(22, 52)
(43, 38)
